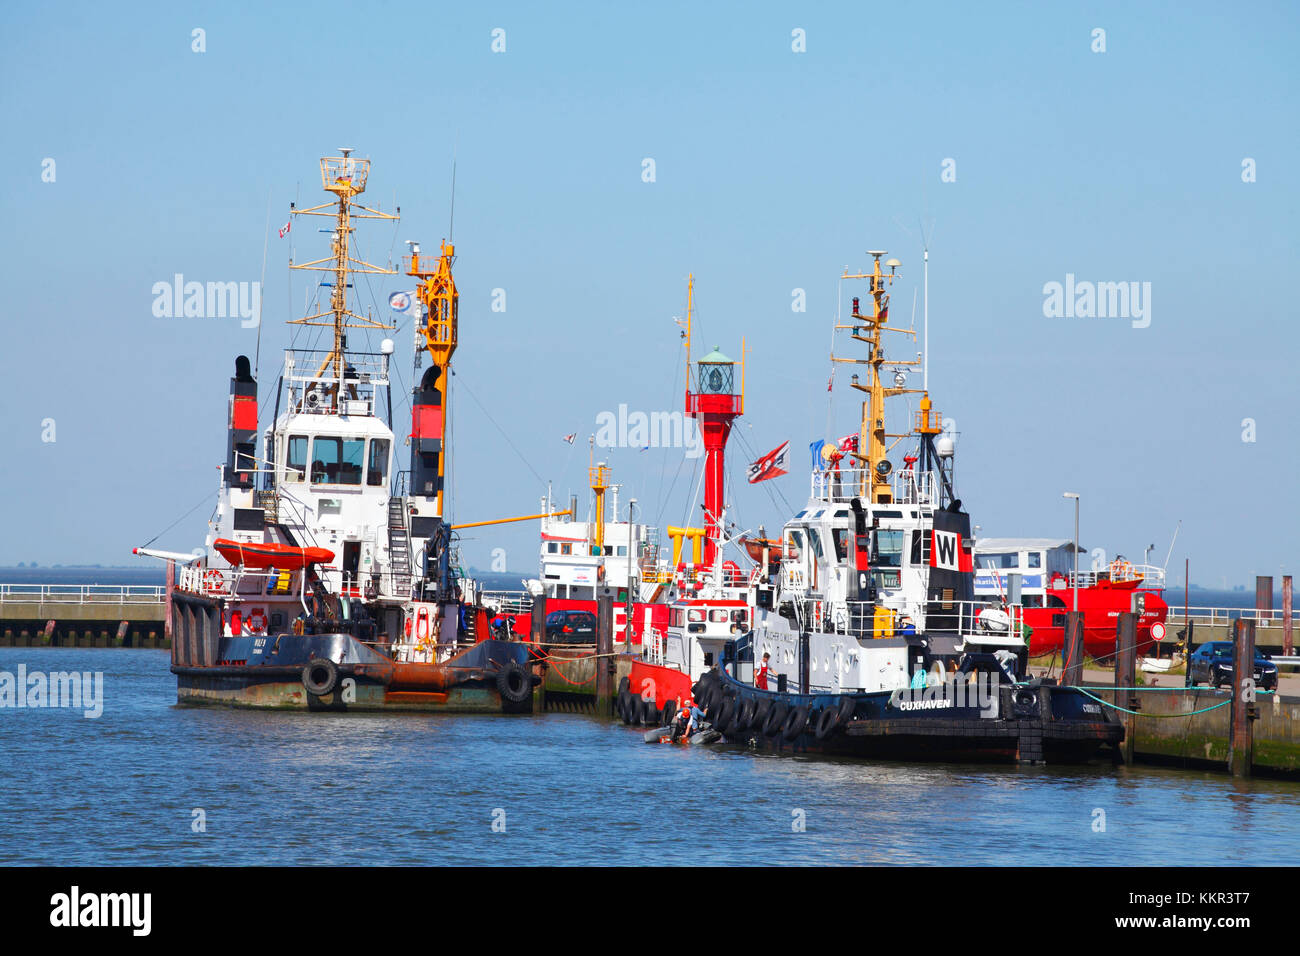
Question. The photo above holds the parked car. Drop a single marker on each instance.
(1212, 664)
(571, 627)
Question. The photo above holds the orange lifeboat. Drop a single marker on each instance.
(286, 557)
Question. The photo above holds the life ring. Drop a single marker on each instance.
(213, 581)
(320, 676)
(514, 683)
(422, 624)
(257, 621)
(795, 722)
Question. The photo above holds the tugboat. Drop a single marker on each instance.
(327, 581)
(867, 616)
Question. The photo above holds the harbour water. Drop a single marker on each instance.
(558, 789)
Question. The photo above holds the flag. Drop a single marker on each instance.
(771, 465)
(848, 444)
(830, 382)
(401, 301)
(816, 448)
(284, 230)
(570, 438)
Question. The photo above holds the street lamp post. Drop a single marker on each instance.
(1071, 494)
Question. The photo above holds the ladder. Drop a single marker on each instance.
(399, 546)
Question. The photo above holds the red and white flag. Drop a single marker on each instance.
(284, 230)
(771, 465)
(570, 438)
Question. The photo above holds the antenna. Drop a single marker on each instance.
(1171, 544)
(451, 225)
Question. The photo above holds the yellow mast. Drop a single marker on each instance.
(441, 302)
(598, 477)
(345, 177)
(873, 445)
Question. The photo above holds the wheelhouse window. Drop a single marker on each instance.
(996, 560)
(718, 616)
(1034, 559)
(841, 536)
(695, 614)
(794, 545)
(566, 549)
(337, 461)
(377, 469)
(889, 548)
(295, 466)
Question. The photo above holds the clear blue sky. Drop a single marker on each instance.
(774, 169)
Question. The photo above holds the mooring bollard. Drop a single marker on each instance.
(1072, 670)
(1244, 712)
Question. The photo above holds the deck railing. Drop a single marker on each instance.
(82, 594)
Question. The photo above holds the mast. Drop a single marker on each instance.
(441, 304)
(345, 177)
(874, 440)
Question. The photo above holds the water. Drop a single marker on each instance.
(283, 788)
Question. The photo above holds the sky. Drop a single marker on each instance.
(786, 139)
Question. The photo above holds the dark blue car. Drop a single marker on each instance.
(1212, 664)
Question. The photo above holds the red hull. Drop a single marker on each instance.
(1101, 606)
(664, 683)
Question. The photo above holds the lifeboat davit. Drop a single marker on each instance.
(286, 557)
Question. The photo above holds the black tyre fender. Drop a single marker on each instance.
(775, 719)
(827, 722)
(745, 713)
(514, 683)
(320, 676)
(624, 685)
(848, 706)
(715, 699)
(761, 708)
(649, 712)
(721, 717)
(669, 712)
(795, 722)
(622, 708)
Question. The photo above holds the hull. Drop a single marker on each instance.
(335, 672)
(1022, 724)
(1101, 606)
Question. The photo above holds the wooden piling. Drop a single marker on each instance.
(1240, 739)
(1072, 671)
(1286, 615)
(1126, 676)
(537, 634)
(604, 652)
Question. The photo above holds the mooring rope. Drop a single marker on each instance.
(1135, 713)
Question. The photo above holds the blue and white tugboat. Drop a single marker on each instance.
(865, 611)
(328, 580)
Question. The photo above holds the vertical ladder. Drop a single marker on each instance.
(399, 546)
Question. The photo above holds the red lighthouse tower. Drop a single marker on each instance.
(713, 401)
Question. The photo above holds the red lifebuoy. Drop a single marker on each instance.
(422, 624)
(213, 581)
(257, 621)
